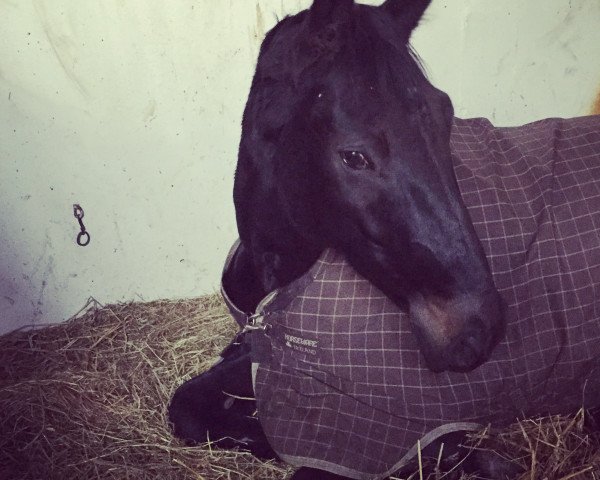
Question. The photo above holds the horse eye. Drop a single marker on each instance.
(355, 160)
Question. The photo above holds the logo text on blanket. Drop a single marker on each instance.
(303, 345)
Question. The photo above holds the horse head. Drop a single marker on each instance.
(345, 144)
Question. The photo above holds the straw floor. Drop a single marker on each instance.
(87, 399)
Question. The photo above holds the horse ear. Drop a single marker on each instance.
(407, 13)
(326, 12)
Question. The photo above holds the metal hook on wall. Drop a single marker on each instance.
(83, 238)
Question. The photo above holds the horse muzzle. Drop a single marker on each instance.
(457, 334)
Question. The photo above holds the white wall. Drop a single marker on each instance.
(132, 108)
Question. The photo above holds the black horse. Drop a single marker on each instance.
(345, 144)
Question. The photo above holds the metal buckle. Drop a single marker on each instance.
(254, 322)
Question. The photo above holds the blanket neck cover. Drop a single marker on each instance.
(344, 387)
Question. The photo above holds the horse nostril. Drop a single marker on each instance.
(475, 327)
(469, 349)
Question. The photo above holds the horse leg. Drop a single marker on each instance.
(218, 406)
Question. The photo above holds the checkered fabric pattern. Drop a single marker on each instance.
(346, 388)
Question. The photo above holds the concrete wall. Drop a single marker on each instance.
(131, 108)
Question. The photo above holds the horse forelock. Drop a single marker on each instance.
(367, 46)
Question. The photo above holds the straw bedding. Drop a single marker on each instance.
(87, 399)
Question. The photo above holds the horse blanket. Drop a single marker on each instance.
(343, 387)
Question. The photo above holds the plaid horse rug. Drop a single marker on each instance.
(343, 386)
